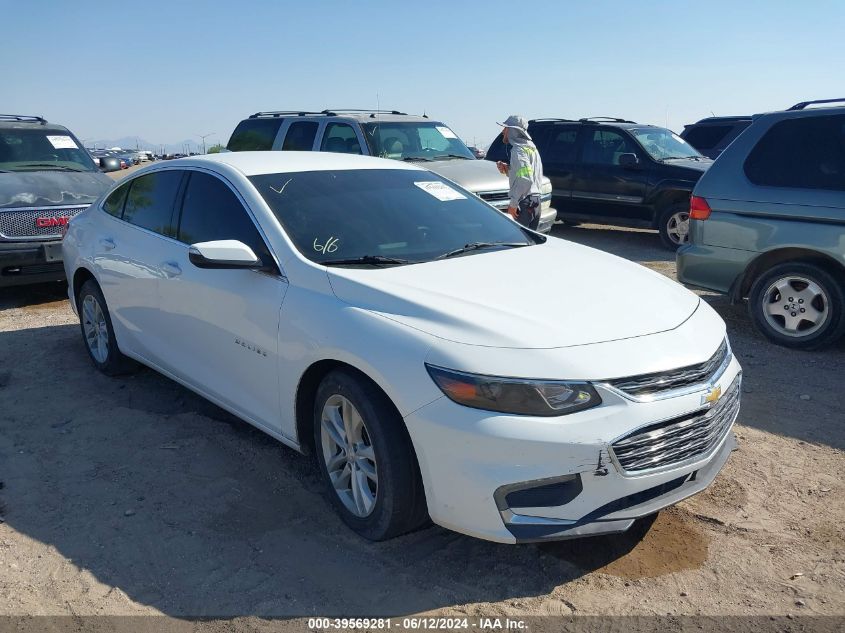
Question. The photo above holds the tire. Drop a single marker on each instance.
(98, 332)
(812, 302)
(393, 503)
(673, 225)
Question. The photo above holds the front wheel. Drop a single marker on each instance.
(674, 226)
(798, 305)
(366, 458)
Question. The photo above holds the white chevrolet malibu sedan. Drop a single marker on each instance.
(438, 359)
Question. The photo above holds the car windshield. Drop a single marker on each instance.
(664, 144)
(42, 150)
(384, 216)
(415, 141)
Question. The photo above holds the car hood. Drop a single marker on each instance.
(474, 175)
(51, 188)
(556, 294)
(700, 165)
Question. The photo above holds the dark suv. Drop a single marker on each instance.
(612, 171)
(46, 178)
(712, 135)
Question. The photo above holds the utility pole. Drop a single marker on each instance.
(203, 137)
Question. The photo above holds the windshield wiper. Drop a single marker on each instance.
(474, 246)
(375, 260)
(52, 166)
(428, 160)
(442, 156)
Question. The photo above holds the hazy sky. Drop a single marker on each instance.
(171, 70)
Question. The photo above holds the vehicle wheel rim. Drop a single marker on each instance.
(677, 228)
(796, 306)
(349, 456)
(96, 329)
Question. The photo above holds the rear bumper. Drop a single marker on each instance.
(712, 267)
(30, 262)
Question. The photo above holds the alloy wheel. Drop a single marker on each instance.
(795, 306)
(96, 329)
(677, 227)
(349, 456)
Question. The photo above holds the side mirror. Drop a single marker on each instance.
(223, 254)
(629, 161)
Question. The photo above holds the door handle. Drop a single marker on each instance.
(171, 269)
(107, 243)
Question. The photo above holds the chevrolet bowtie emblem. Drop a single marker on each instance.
(712, 396)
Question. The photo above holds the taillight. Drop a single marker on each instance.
(698, 208)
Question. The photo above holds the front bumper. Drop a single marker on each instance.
(30, 262)
(516, 478)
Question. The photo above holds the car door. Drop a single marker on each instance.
(297, 135)
(558, 149)
(602, 187)
(128, 253)
(340, 138)
(223, 324)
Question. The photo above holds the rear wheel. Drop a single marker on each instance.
(674, 226)
(798, 305)
(98, 332)
(366, 458)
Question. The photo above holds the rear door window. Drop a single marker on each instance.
(211, 211)
(300, 136)
(340, 138)
(804, 153)
(150, 201)
(560, 145)
(254, 135)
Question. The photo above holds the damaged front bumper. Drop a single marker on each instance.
(514, 479)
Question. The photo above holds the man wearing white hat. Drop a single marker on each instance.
(525, 172)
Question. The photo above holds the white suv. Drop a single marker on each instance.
(386, 134)
(374, 313)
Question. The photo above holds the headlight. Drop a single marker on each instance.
(514, 395)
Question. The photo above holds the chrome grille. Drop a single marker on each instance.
(646, 384)
(678, 440)
(21, 223)
(498, 199)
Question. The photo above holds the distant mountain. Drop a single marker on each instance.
(135, 142)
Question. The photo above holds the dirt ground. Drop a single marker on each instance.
(134, 496)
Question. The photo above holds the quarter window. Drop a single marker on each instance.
(114, 203)
(300, 136)
(340, 138)
(211, 211)
(254, 135)
(604, 147)
(807, 153)
(150, 201)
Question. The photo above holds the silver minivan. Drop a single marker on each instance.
(767, 223)
(387, 134)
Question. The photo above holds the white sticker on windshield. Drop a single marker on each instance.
(445, 131)
(62, 142)
(440, 190)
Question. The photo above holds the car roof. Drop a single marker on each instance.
(360, 116)
(722, 119)
(257, 163)
(610, 121)
(26, 122)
